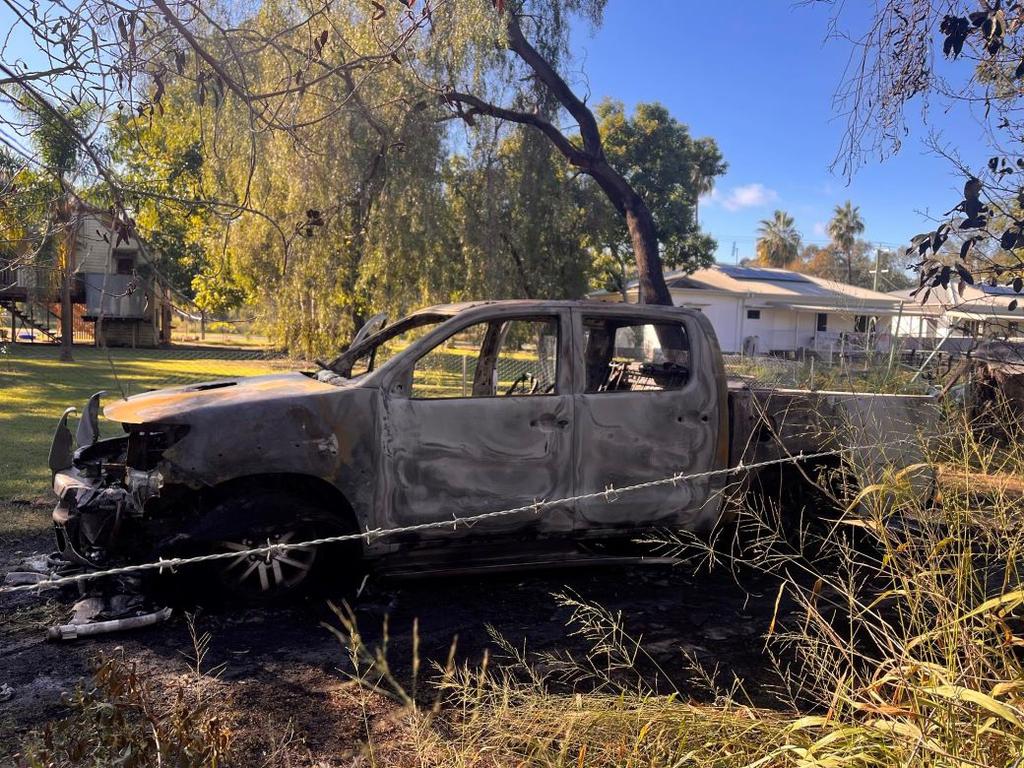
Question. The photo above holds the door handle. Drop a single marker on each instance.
(548, 421)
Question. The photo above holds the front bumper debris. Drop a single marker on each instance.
(101, 615)
(101, 493)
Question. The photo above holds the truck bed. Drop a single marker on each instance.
(888, 431)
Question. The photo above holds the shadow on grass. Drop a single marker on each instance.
(19, 522)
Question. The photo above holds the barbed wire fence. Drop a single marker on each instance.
(609, 494)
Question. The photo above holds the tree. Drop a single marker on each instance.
(55, 132)
(518, 219)
(778, 241)
(536, 63)
(843, 228)
(895, 65)
(670, 170)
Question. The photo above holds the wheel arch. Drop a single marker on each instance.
(312, 489)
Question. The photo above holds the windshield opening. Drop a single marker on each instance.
(372, 353)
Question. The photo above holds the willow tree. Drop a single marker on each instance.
(306, 219)
(515, 217)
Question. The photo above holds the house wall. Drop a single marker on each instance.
(722, 311)
(778, 329)
(92, 252)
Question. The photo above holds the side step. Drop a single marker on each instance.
(542, 563)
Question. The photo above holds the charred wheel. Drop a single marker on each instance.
(249, 520)
(271, 572)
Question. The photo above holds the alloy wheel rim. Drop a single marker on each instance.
(270, 571)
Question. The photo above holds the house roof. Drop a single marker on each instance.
(782, 288)
(965, 302)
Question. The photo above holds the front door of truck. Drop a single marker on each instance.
(482, 422)
(647, 409)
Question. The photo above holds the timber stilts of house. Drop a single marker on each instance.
(116, 296)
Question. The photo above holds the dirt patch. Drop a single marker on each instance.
(286, 681)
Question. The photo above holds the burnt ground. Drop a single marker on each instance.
(281, 665)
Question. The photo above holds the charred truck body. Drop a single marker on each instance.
(454, 411)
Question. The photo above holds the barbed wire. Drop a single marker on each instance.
(610, 494)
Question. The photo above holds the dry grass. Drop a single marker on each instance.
(908, 647)
(906, 650)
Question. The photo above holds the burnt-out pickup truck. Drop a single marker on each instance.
(451, 412)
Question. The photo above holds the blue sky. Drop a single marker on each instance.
(758, 76)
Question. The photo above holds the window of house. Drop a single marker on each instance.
(632, 356)
(753, 314)
(822, 323)
(510, 358)
(124, 263)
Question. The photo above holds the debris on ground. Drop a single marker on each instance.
(21, 578)
(6, 692)
(34, 569)
(99, 615)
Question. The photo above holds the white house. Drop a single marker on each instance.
(764, 310)
(960, 312)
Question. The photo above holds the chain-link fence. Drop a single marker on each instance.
(866, 373)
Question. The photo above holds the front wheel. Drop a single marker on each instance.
(237, 524)
(270, 573)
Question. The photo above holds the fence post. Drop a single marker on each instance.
(464, 375)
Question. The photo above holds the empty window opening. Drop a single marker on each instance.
(510, 358)
(624, 355)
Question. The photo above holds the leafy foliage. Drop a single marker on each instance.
(778, 241)
(670, 169)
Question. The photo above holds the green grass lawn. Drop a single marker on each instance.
(35, 387)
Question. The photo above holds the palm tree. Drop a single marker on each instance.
(778, 241)
(843, 229)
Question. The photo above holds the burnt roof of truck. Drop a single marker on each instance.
(529, 305)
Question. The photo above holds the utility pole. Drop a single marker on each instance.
(878, 258)
(735, 253)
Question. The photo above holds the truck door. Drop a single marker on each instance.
(648, 407)
(483, 422)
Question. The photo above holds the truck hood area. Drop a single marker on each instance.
(162, 405)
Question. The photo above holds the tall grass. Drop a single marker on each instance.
(906, 647)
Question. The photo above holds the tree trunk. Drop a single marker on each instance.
(67, 309)
(643, 235)
(67, 312)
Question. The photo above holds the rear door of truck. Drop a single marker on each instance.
(649, 403)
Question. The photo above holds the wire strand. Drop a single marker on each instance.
(610, 494)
